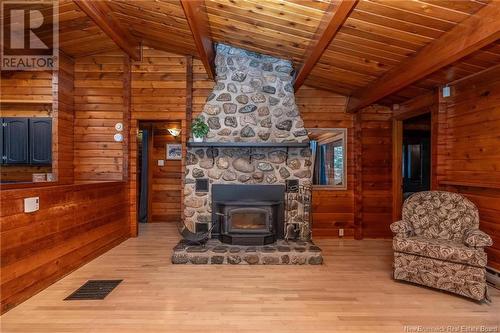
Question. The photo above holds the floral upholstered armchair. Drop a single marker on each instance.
(438, 244)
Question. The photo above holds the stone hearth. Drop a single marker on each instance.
(279, 253)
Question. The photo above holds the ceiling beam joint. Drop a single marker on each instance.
(197, 18)
(100, 13)
(470, 35)
(331, 23)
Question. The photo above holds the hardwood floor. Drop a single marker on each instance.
(352, 292)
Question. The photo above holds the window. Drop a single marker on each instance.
(329, 157)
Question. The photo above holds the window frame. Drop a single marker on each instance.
(342, 136)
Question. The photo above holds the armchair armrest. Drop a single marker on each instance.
(402, 228)
(477, 238)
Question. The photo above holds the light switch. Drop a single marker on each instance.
(31, 204)
(161, 162)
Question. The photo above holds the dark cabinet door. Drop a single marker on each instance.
(40, 138)
(15, 141)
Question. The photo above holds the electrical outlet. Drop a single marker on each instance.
(31, 204)
(341, 232)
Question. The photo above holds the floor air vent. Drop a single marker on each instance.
(94, 290)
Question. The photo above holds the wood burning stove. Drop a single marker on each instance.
(247, 214)
(248, 220)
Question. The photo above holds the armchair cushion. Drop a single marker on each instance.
(402, 228)
(442, 215)
(440, 249)
(477, 238)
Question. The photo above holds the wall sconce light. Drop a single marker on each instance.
(174, 131)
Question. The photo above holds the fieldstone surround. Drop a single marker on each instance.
(252, 101)
(244, 166)
(280, 253)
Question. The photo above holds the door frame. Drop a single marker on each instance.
(420, 105)
(148, 126)
(133, 187)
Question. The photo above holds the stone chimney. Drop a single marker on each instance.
(252, 100)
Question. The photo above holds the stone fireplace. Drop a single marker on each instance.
(256, 143)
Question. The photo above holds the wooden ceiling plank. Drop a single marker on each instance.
(368, 51)
(328, 28)
(197, 18)
(383, 38)
(426, 10)
(258, 22)
(396, 24)
(385, 10)
(99, 11)
(465, 38)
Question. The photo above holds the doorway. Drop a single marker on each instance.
(411, 157)
(416, 157)
(159, 168)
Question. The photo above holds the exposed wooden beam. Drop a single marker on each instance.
(327, 29)
(197, 17)
(99, 12)
(416, 106)
(468, 36)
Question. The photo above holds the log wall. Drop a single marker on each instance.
(99, 100)
(75, 223)
(467, 153)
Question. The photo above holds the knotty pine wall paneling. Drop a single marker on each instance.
(166, 180)
(332, 209)
(376, 171)
(468, 157)
(63, 120)
(75, 224)
(202, 87)
(99, 105)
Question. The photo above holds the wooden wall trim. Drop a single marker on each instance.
(358, 177)
(127, 103)
(189, 96)
(397, 156)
